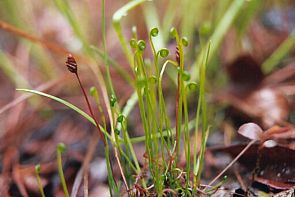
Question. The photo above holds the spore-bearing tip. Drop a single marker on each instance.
(71, 64)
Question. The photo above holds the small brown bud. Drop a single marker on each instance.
(71, 64)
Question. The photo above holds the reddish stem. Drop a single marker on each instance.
(176, 106)
(177, 100)
(90, 109)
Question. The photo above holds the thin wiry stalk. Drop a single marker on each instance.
(90, 109)
(59, 149)
(230, 164)
(37, 171)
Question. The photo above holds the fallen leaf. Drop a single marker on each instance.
(276, 165)
(245, 75)
(271, 137)
(273, 184)
(254, 96)
(251, 131)
(272, 105)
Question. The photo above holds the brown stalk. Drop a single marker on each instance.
(231, 163)
(177, 99)
(73, 68)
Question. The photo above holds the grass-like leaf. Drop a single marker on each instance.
(7, 66)
(218, 35)
(117, 26)
(64, 7)
(279, 53)
(66, 103)
(71, 106)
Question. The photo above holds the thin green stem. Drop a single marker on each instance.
(59, 149)
(279, 53)
(166, 133)
(162, 103)
(180, 86)
(111, 179)
(37, 171)
(109, 80)
(218, 35)
(186, 137)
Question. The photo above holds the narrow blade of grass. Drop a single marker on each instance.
(152, 20)
(66, 103)
(279, 53)
(218, 35)
(117, 26)
(64, 7)
(201, 113)
(7, 66)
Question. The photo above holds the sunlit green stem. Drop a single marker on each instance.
(218, 35)
(37, 171)
(59, 150)
(279, 53)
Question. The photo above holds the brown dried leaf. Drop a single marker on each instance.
(255, 96)
(281, 75)
(276, 165)
(245, 74)
(272, 105)
(280, 134)
(273, 184)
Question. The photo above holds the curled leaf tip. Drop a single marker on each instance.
(61, 147)
(141, 45)
(133, 43)
(154, 32)
(186, 75)
(173, 32)
(184, 41)
(113, 100)
(117, 131)
(120, 118)
(192, 86)
(164, 52)
(38, 168)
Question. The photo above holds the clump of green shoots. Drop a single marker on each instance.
(162, 144)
